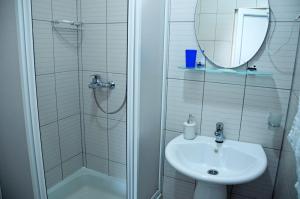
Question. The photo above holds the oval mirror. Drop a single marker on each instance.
(230, 32)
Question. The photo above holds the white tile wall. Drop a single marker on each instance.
(53, 176)
(72, 165)
(50, 146)
(41, 9)
(222, 103)
(46, 98)
(117, 141)
(70, 137)
(64, 9)
(96, 163)
(117, 170)
(43, 47)
(116, 11)
(93, 11)
(285, 10)
(175, 189)
(184, 98)
(182, 10)
(67, 89)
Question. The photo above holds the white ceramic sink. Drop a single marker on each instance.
(235, 162)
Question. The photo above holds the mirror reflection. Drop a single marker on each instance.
(230, 32)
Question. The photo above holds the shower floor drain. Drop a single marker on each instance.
(213, 172)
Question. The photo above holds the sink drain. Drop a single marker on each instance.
(213, 172)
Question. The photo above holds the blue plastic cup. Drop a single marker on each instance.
(190, 58)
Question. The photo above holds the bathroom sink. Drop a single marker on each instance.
(216, 164)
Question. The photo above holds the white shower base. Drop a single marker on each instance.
(88, 184)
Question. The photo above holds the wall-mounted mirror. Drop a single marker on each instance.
(230, 32)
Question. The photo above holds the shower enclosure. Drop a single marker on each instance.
(89, 100)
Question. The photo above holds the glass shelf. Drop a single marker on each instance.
(228, 71)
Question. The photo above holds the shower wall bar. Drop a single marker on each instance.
(64, 21)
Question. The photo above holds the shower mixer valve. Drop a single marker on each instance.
(98, 83)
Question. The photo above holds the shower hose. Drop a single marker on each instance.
(112, 112)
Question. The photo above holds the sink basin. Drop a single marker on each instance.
(216, 165)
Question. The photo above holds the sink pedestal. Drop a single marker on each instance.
(206, 190)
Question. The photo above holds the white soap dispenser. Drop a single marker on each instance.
(190, 128)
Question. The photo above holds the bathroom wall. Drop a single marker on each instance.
(57, 79)
(74, 131)
(287, 171)
(242, 103)
(104, 52)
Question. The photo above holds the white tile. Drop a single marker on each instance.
(222, 56)
(90, 106)
(246, 3)
(259, 103)
(117, 11)
(93, 11)
(67, 89)
(41, 9)
(267, 180)
(72, 165)
(117, 141)
(226, 6)
(116, 96)
(169, 171)
(262, 3)
(175, 189)
(117, 48)
(65, 49)
(96, 139)
(182, 37)
(208, 47)
(287, 177)
(94, 47)
(53, 176)
(64, 9)
(97, 164)
(207, 26)
(117, 170)
(46, 99)
(43, 47)
(279, 59)
(224, 27)
(50, 146)
(70, 137)
(296, 83)
(207, 6)
(184, 98)
(183, 10)
(222, 103)
(286, 10)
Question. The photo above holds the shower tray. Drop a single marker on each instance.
(86, 183)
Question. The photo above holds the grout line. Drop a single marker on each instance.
(60, 119)
(68, 159)
(53, 73)
(109, 160)
(185, 181)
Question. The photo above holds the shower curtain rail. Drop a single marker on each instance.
(64, 21)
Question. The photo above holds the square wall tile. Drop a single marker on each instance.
(182, 37)
(97, 164)
(117, 141)
(222, 103)
(285, 10)
(221, 55)
(267, 180)
(226, 6)
(116, 96)
(117, 170)
(169, 171)
(70, 137)
(50, 146)
(96, 139)
(64, 9)
(67, 88)
(184, 98)
(207, 27)
(43, 47)
(53, 176)
(41, 9)
(246, 3)
(225, 27)
(93, 11)
(277, 56)
(259, 103)
(65, 49)
(72, 165)
(117, 11)
(46, 98)
(207, 6)
(176, 189)
(89, 103)
(117, 48)
(183, 10)
(94, 47)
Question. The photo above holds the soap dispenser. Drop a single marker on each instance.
(190, 128)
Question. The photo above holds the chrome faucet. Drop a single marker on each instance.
(219, 132)
(98, 83)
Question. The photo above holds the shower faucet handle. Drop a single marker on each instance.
(98, 83)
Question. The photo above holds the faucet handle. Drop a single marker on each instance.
(219, 126)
